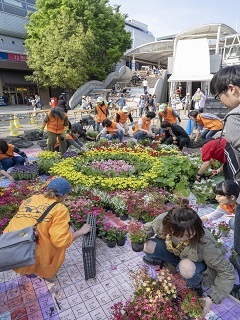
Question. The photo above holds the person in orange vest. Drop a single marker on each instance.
(167, 113)
(143, 127)
(53, 232)
(208, 124)
(72, 139)
(7, 158)
(227, 193)
(57, 126)
(121, 117)
(113, 129)
(101, 112)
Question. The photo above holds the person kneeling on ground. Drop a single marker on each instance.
(72, 139)
(175, 134)
(227, 193)
(121, 117)
(54, 233)
(143, 127)
(114, 130)
(7, 158)
(183, 242)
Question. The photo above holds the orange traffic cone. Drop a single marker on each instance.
(13, 130)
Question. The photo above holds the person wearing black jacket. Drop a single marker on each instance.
(175, 134)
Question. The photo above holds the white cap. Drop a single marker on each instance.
(125, 109)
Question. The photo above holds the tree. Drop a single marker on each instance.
(72, 41)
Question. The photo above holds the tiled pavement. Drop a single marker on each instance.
(68, 296)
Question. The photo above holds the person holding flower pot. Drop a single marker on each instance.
(227, 193)
(143, 127)
(182, 241)
(53, 232)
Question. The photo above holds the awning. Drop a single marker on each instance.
(192, 61)
(185, 78)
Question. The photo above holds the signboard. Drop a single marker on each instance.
(17, 57)
(3, 101)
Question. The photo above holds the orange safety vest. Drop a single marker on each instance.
(113, 128)
(145, 125)
(168, 115)
(101, 114)
(9, 153)
(55, 125)
(123, 116)
(210, 124)
(68, 137)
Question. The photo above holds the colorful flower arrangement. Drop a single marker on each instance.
(136, 232)
(25, 172)
(156, 298)
(146, 167)
(203, 191)
(224, 228)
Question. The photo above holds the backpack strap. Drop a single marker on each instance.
(46, 212)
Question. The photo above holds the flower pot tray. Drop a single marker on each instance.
(89, 249)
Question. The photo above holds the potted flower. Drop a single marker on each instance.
(192, 306)
(224, 228)
(121, 235)
(111, 235)
(137, 236)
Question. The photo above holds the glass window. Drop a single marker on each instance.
(13, 3)
(16, 11)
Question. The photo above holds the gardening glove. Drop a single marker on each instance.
(26, 161)
(214, 173)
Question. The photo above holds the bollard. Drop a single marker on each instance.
(189, 127)
(13, 130)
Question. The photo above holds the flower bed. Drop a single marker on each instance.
(148, 167)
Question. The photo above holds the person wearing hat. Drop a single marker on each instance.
(54, 233)
(143, 127)
(186, 102)
(101, 112)
(121, 117)
(167, 113)
(113, 129)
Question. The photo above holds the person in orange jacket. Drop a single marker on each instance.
(72, 139)
(167, 113)
(7, 157)
(208, 124)
(121, 117)
(143, 127)
(113, 129)
(101, 112)
(57, 126)
(54, 233)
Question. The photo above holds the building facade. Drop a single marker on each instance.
(13, 67)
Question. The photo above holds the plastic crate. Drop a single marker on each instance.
(89, 249)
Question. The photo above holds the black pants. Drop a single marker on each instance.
(180, 143)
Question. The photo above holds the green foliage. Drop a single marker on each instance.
(72, 41)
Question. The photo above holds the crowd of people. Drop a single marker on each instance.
(176, 239)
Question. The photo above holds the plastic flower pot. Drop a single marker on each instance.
(137, 246)
(111, 243)
(121, 242)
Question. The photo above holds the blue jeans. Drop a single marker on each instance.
(206, 134)
(140, 135)
(140, 111)
(97, 126)
(11, 162)
(161, 253)
(117, 135)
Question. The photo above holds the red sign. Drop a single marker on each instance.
(17, 57)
